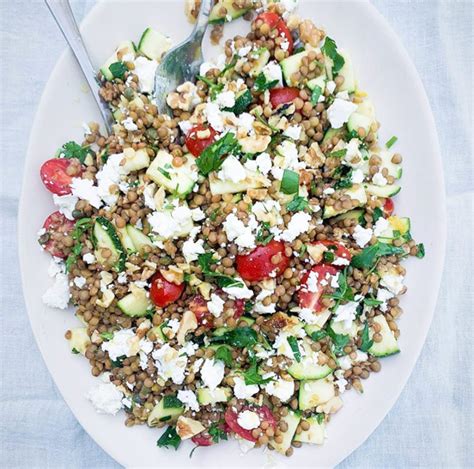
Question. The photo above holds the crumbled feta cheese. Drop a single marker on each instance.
(294, 132)
(110, 176)
(272, 72)
(245, 121)
(281, 388)
(225, 99)
(339, 112)
(242, 390)
(393, 282)
(169, 364)
(345, 362)
(191, 249)
(105, 396)
(66, 204)
(197, 214)
(282, 346)
(171, 223)
(84, 189)
(340, 381)
(173, 325)
(357, 176)
(298, 224)
(312, 282)
(248, 419)
(129, 124)
(197, 365)
(381, 225)
(262, 309)
(243, 51)
(212, 373)
(123, 343)
(331, 86)
(145, 71)
(236, 231)
(307, 315)
(379, 179)
(79, 281)
(56, 266)
(240, 293)
(88, 258)
(384, 295)
(122, 278)
(189, 348)
(216, 305)
(362, 235)
(232, 170)
(346, 313)
(214, 116)
(188, 398)
(57, 296)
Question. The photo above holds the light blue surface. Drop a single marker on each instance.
(431, 424)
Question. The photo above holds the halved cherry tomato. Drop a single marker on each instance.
(202, 439)
(55, 177)
(276, 22)
(283, 95)
(56, 223)
(388, 206)
(338, 249)
(257, 265)
(198, 306)
(197, 145)
(162, 292)
(310, 299)
(231, 419)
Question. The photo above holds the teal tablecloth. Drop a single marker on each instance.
(431, 424)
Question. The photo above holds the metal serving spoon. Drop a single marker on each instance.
(62, 13)
(182, 62)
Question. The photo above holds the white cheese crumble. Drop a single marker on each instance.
(362, 235)
(280, 388)
(88, 258)
(212, 373)
(57, 296)
(170, 223)
(240, 293)
(215, 305)
(298, 224)
(308, 316)
(191, 249)
(121, 344)
(339, 112)
(394, 283)
(214, 116)
(294, 132)
(169, 364)
(84, 189)
(331, 86)
(248, 419)
(272, 72)
(236, 231)
(242, 390)
(225, 99)
(346, 313)
(105, 396)
(129, 124)
(379, 179)
(79, 282)
(384, 295)
(110, 175)
(357, 176)
(380, 226)
(145, 71)
(232, 170)
(188, 398)
(66, 204)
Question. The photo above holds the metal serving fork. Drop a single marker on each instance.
(182, 62)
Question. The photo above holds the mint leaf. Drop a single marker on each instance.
(261, 83)
(217, 432)
(370, 255)
(169, 438)
(224, 354)
(252, 376)
(118, 70)
(171, 402)
(241, 337)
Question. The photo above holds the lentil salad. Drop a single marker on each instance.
(237, 266)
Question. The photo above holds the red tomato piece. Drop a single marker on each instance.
(231, 419)
(198, 306)
(338, 249)
(162, 292)
(202, 439)
(257, 265)
(197, 145)
(283, 95)
(276, 22)
(239, 308)
(388, 206)
(309, 295)
(55, 177)
(56, 223)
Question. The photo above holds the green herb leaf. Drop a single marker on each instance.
(230, 65)
(214, 88)
(252, 376)
(217, 432)
(171, 402)
(213, 156)
(205, 261)
(165, 173)
(329, 48)
(298, 204)
(372, 302)
(366, 341)
(318, 335)
(224, 354)
(320, 418)
(328, 257)
(74, 150)
(290, 182)
(338, 153)
(377, 214)
(421, 251)
(391, 142)
(315, 95)
(169, 438)
(261, 83)
(339, 341)
(370, 255)
(344, 291)
(75, 351)
(294, 348)
(241, 337)
(107, 335)
(118, 70)
(263, 235)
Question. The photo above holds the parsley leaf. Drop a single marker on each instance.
(74, 150)
(217, 432)
(261, 83)
(320, 418)
(339, 341)
(252, 376)
(241, 337)
(366, 341)
(297, 204)
(80, 228)
(421, 251)
(263, 235)
(214, 88)
(372, 302)
(224, 354)
(391, 142)
(213, 156)
(338, 153)
(315, 95)
(75, 351)
(118, 70)
(318, 335)
(344, 291)
(377, 214)
(370, 255)
(169, 438)
(205, 261)
(230, 65)
(171, 402)
(294, 348)
(329, 48)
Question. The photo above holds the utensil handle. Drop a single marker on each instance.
(62, 13)
(202, 20)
